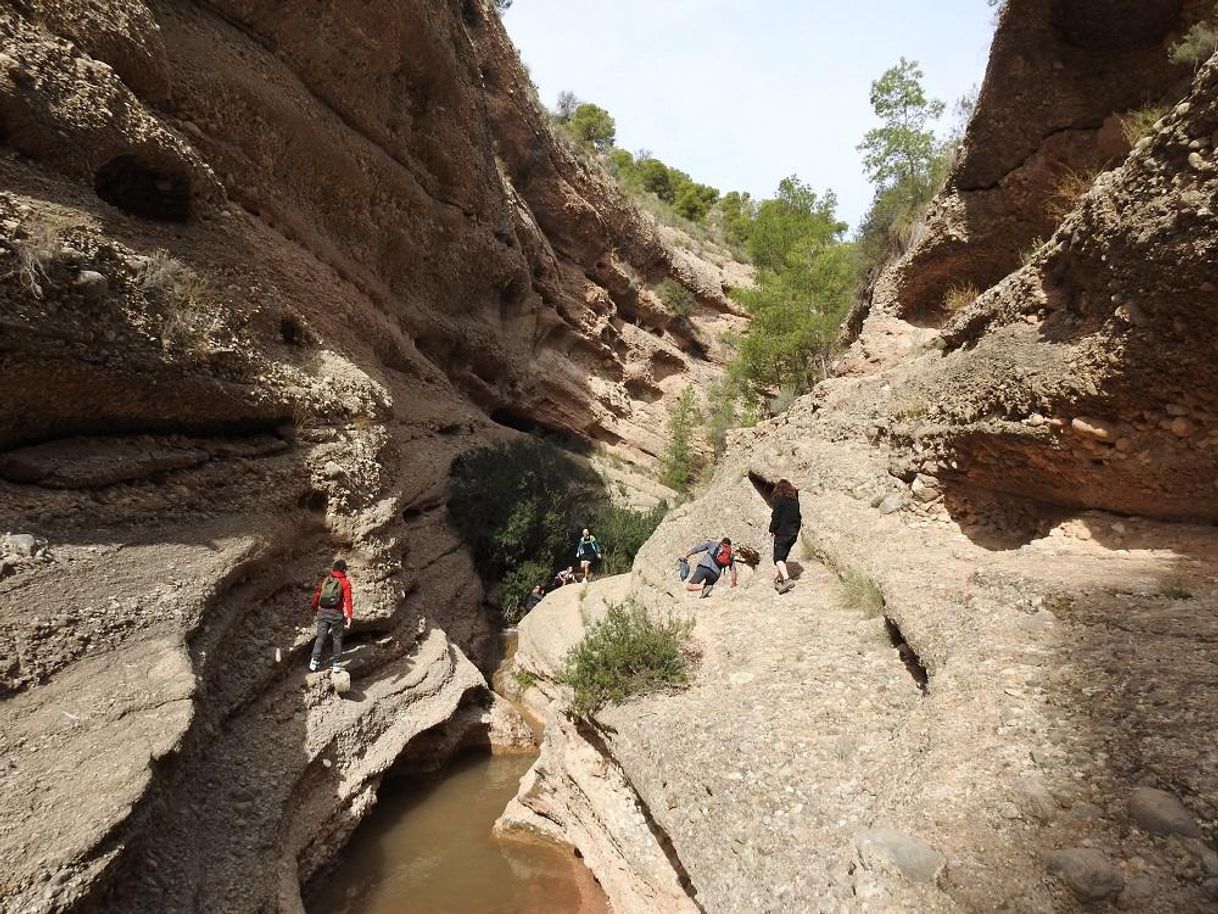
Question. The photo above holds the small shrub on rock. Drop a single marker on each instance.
(39, 246)
(1197, 46)
(627, 653)
(678, 299)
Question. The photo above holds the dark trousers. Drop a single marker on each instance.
(329, 622)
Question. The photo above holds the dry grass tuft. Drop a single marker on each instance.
(1028, 254)
(959, 297)
(193, 318)
(1140, 123)
(862, 593)
(1070, 188)
(40, 246)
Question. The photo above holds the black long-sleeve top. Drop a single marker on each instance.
(784, 518)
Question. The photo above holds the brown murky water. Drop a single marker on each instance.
(428, 848)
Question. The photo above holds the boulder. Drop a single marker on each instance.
(1161, 812)
(92, 285)
(894, 851)
(1087, 872)
(341, 681)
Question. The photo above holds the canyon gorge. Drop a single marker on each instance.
(267, 269)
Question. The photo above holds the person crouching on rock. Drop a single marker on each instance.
(784, 527)
(718, 556)
(332, 602)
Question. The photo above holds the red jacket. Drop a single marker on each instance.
(348, 611)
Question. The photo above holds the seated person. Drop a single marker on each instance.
(533, 598)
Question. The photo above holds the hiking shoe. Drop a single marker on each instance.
(312, 666)
(706, 590)
(785, 586)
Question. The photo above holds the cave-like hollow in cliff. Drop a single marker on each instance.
(143, 190)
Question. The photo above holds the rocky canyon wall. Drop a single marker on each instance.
(265, 269)
(992, 687)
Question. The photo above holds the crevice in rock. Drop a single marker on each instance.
(764, 487)
(510, 418)
(1045, 137)
(593, 735)
(913, 663)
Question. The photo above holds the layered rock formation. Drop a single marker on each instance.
(1061, 80)
(1008, 705)
(265, 269)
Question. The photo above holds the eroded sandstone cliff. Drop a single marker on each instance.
(1010, 707)
(264, 270)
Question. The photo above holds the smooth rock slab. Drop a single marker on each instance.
(1160, 812)
(1086, 871)
(910, 857)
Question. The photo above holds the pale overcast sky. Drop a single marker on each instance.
(740, 93)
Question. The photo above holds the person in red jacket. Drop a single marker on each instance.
(332, 603)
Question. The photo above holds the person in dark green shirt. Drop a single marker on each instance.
(588, 551)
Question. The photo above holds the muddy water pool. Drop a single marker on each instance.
(428, 848)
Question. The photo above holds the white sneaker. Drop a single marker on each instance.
(312, 666)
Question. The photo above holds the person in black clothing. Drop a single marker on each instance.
(784, 526)
(533, 598)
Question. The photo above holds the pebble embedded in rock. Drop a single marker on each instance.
(1160, 812)
(1181, 427)
(1087, 872)
(1093, 428)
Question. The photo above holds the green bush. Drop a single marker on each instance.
(625, 654)
(622, 533)
(1197, 46)
(681, 462)
(1140, 123)
(678, 299)
(519, 507)
(736, 212)
(524, 679)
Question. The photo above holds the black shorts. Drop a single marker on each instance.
(782, 546)
(703, 575)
